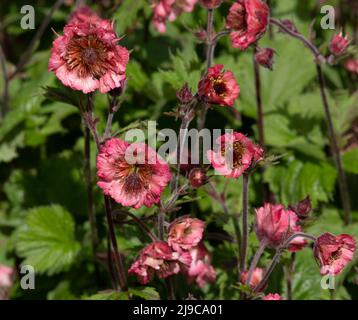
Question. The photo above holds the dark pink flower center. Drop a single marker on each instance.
(219, 87)
(237, 150)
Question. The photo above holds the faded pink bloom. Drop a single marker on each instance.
(235, 155)
(200, 269)
(86, 57)
(210, 4)
(265, 57)
(185, 233)
(338, 44)
(219, 87)
(248, 20)
(351, 65)
(256, 277)
(6, 276)
(132, 174)
(272, 296)
(158, 258)
(274, 225)
(169, 10)
(333, 253)
(197, 177)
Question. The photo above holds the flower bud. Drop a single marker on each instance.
(303, 208)
(264, 57)
(197, 177)
(289, 25)
(338, 44)
(184, 94)
(210, 4)
(201, 35)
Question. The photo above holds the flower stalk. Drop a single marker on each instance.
(245, 222)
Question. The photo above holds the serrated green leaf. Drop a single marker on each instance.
(46, 240)
(146, 293)
(350, 160)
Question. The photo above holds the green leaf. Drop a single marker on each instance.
(350, 160)
(46, 240)
(147, 293)
(108, 295)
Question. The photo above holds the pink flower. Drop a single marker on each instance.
(218, 87)
(86, 57)
(333, 253)
(210, 4)
(248, 19)
(200, 269)
(272, 296)
(265, 57)
(158, 258)
(256, 277)
(169, 10)
(351, 65)
(197, 177)
(274, 225)
(185, 233)
(235, 155)
(338, 44)
(6, 276)
(132, 174)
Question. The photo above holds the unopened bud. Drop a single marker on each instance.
(197, 177)
(338, 44)
(265, 57)
(210, 4)
(184, 94)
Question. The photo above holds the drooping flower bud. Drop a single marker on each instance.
(201, 35)
(289, 25)
(303, 208)
(210, 4)
(256, 277)
(333, 253)
(184, 95)
(339, 44)
(351, 65)
(264, 57)
(197, 177)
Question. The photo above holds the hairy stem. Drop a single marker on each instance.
(5, 99)
(260, 113)
(289, 273)
(255, 260)
(210, 43)
(342, 179)
(89, 182)
(143, 226)
(245, 222)
(40, 31)
(277, 257)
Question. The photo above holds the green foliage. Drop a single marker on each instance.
(46, 240)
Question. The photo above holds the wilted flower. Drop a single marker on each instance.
(86, 57)
(210, 4)
(256, 277)
(197, 177)
(158, 258)
(132, 174)
(219, 87)
(235, 155)
(169, 10)
(185, 233)
(274, 225)
(248, 20)
(264, 57)
(272, 296)
(338, 44)
(333, 253)
(201, 271)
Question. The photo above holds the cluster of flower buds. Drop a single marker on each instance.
(183, 252)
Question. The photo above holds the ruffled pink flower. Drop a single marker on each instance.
(256, 277)
(333, 253)
(158, 258)
(6, 276)
(132, 174)
(248, 19)
(274, 225)
(219, 87)
(339, 44)
(185, 233)
(272, 296)
(351, 65)
(86, 57)
(169, 10)
(201, 271)
(235, 155)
